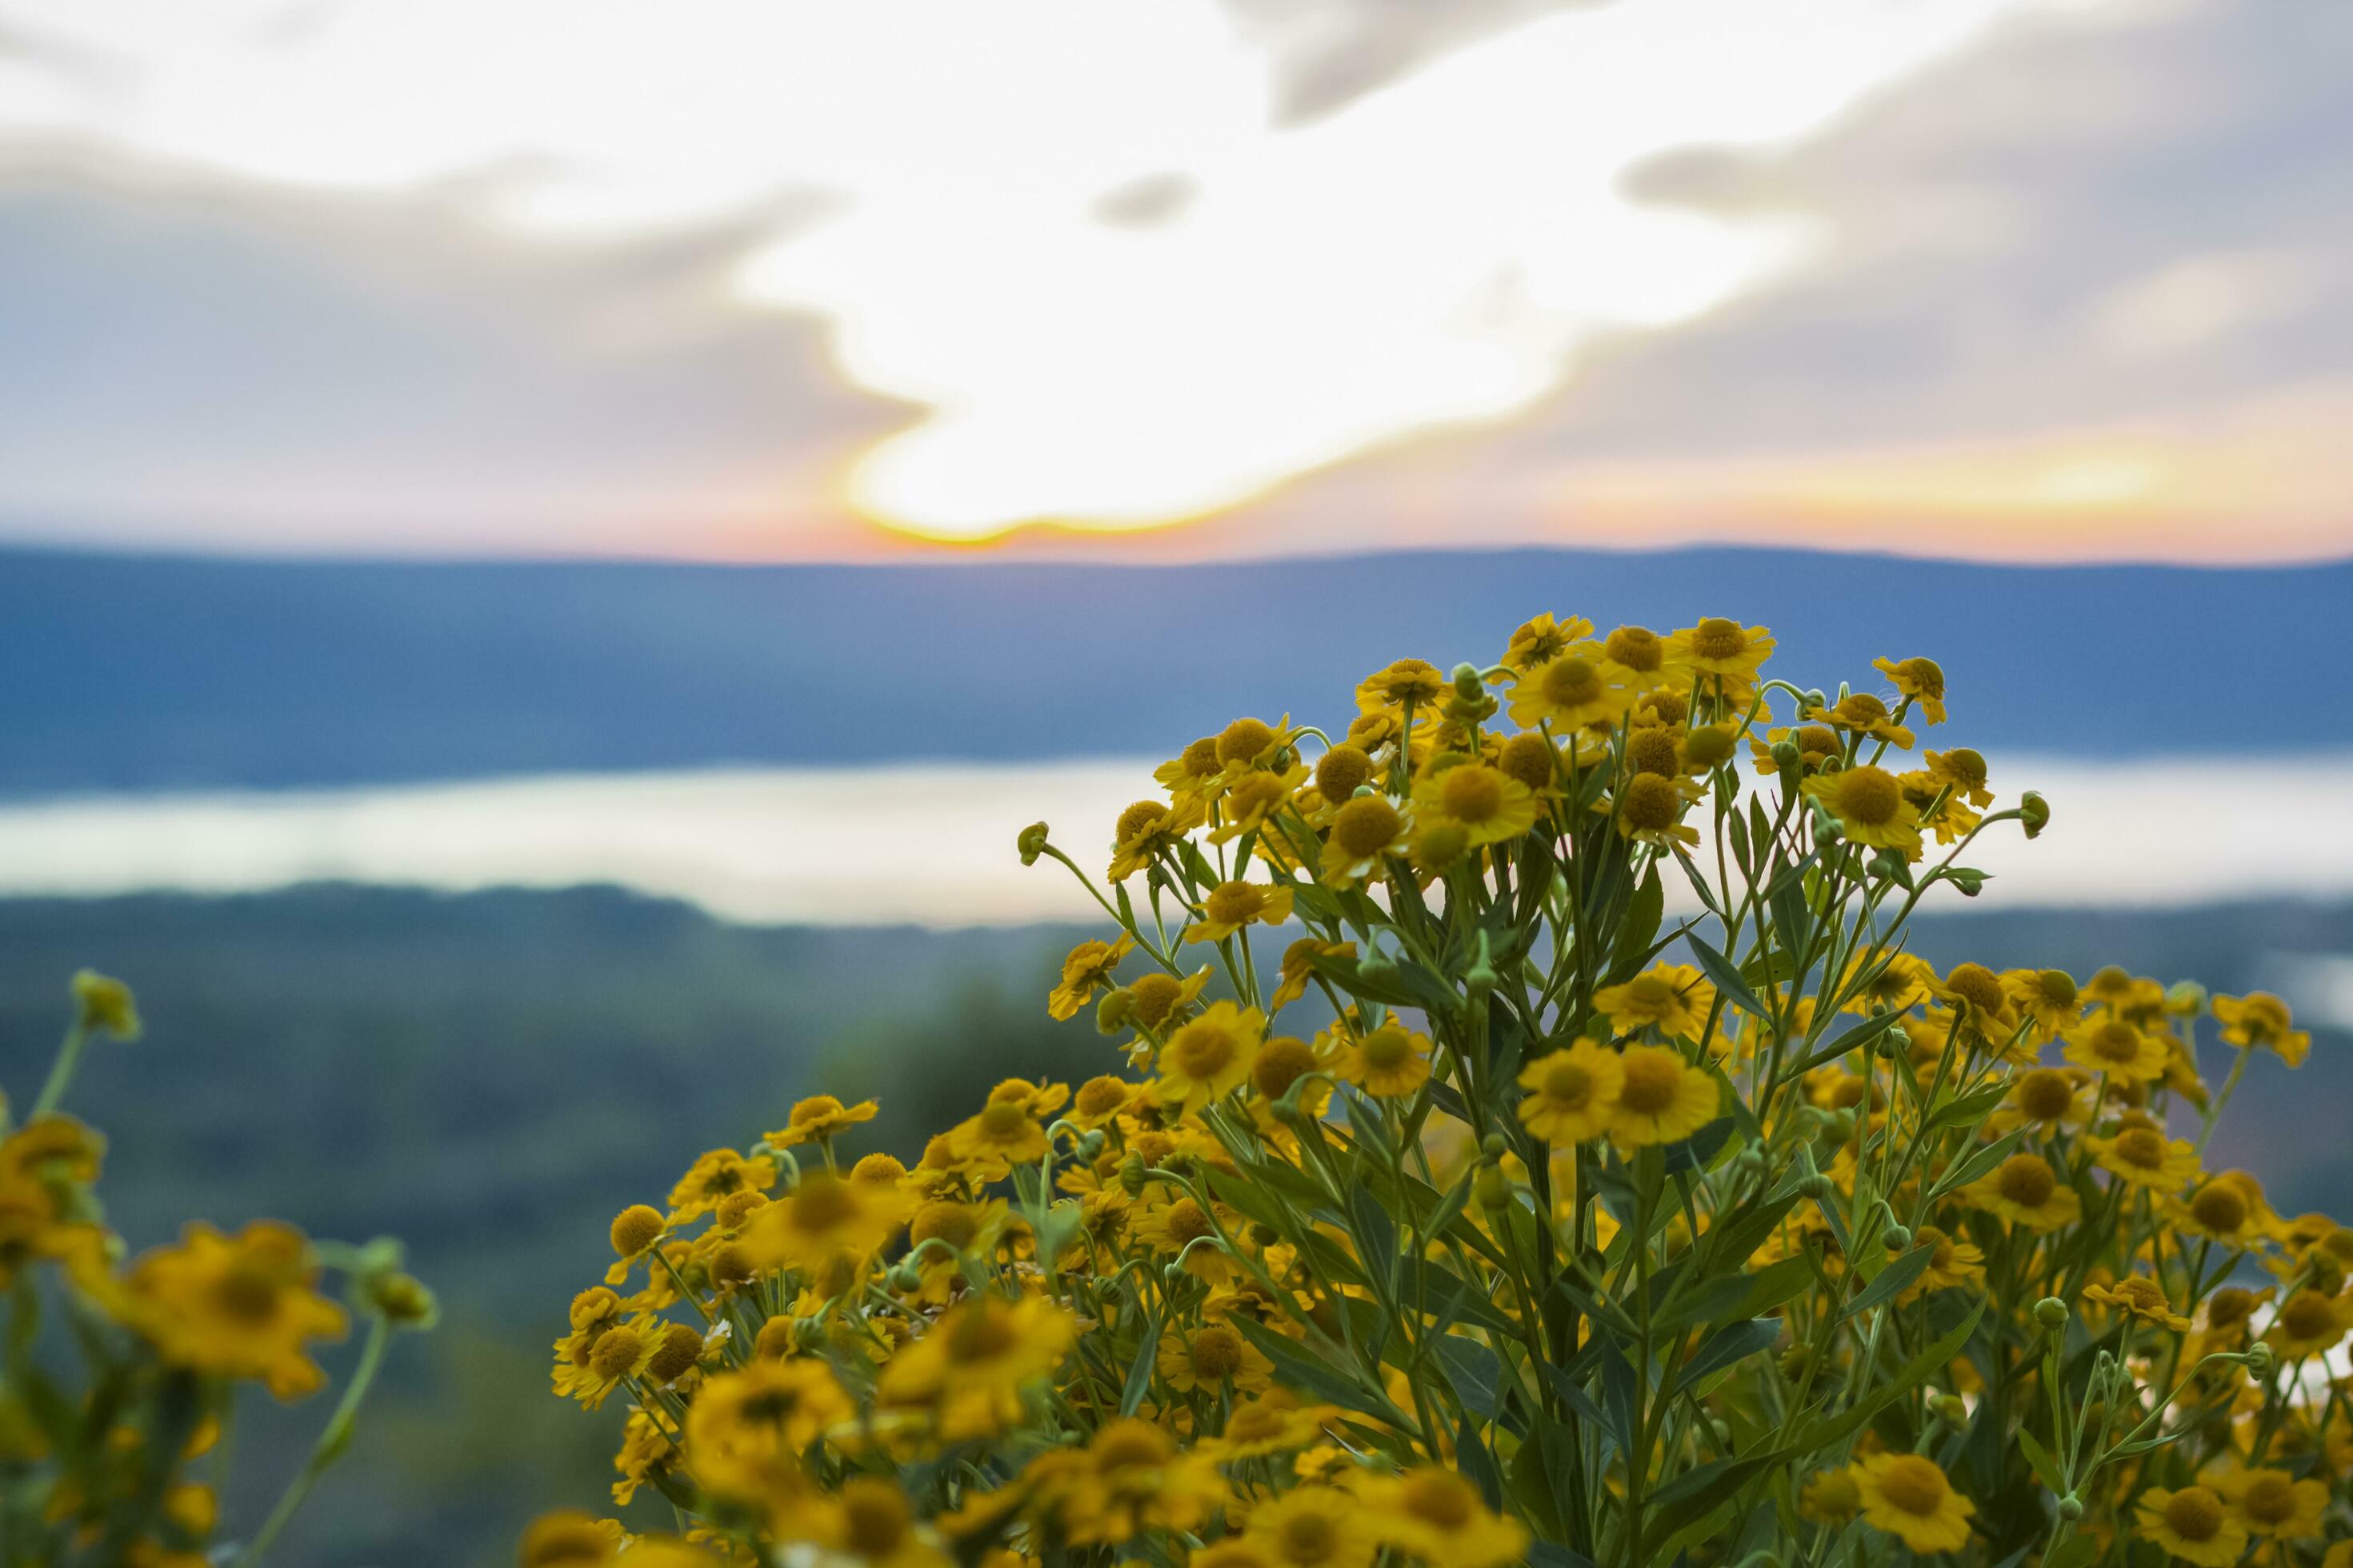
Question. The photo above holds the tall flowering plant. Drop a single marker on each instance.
(114, 1421)
(1504, 1217)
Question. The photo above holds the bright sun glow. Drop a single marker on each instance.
(942, 183)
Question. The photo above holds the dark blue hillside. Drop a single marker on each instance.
(135, 672)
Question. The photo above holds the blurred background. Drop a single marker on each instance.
(546, 550)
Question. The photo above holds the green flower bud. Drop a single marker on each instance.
(2261, 1358)
(2052, 1313)
(1896, 1238)
(1953, 1408)
(107, 1006)
(1091, 1146)
(403, 1298)
(1467, 684)
(1787, 756)
(1132, 1175)
(1494, 1146)
(1032, 843)
(2071, 1508)
(1115, 1011)
(1818, 1187)
(2034, 812)
(1490, 1187)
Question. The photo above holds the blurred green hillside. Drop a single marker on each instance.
(492, 1076)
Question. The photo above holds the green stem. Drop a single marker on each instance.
(329, 1448)
(62, 1071)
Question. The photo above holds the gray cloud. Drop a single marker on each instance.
(1329, 53)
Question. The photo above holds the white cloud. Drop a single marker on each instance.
(1435, 251)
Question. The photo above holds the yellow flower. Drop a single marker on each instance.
(1438, 1517)
(646, 1450)
(1642, 653)
(1830, 1497)
(747, 1428)
(2307, 1323)
(2275, 1503)
(870, 1521)
(1132, 1478)
(1251, 803)
(2048, 996)
(1582, 687)
(716, 1175)
(1661, 1097)
(1250, 743)
(1363, 831)
(1908, 1497)
(1386, 1062)
(1572, 1093)
(971, 1368)
(1230, 906)
(2109, 1045)
(1195, 775)
(1649, 807)
(1962, 772)
(1488, 805)
(2144, 1157)
(1870, 807)
(1414, 682)
(106, 1006)
(1672, 998)
(1211, 1357)
(821, 1217)
(2260, 1018)
(1002, 1132)
(1725, 649)
(569, 1539)
(2025, 1189)
(1147, 828)
(2230, 1209)
(2191, 1524)
(819, 1119)
(243, 1306)
(1922, 680)
(2140, 1296)
(1953, 1262)
(1314, 1527)
(1209, 1056)
(1299, 968)
(1860, 713)
(2047, 1097)
(1541, 638)
(1269, 1424)
(1169, 1228)
(635, 1231)
(1086, 971)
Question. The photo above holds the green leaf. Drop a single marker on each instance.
(1473, 1370)
(2039, 1456)
(1730, 1346)
(1139, 1375)
(1309, 1374)
(1890, 1280)
(2075, 1551)
(1640, 925)
(1727, 979)
(1698, 1491)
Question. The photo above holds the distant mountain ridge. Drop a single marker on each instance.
(145, 672)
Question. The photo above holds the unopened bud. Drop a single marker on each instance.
(1032, 842)
(2261, 1358)
(1493, 1146)
(1787, 755)
(1132, 1174)
(2184, 998)
(1467, 684)
(106, 1004)
(2052, 1313)
(1818, 1187)
(1090, 1146)
(2071, 1508)
(1263, 1236)
(403, 1299)
(1490, 1187)
(1953, 1408)
(1896, 1238)
(2034, 812)
(1115, 1011)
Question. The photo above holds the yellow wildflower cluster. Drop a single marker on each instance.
(92, 1467)
(1494, 1217)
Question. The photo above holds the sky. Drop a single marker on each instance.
(2019, 279)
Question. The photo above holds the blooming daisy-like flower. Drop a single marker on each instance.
(1386, 1062)
(2048, 1097)
(1230, 906)
(1830, 1497)
(1921, 679)
(1209, 1056)
(1976, 998)
(1362, 832)
(2307, 1323)
(1649, 810)
(1860, 713)
(1212, 1357)
(2230, 1208)
(1572, 1093)
(2275, 1503)
(1194, 774)
(1132, 1477)
(2025, 1190)
(1642, 653)
(1269, 1424)
(1248, 744)
(1541, 639)
(821, 1118)
(1962, 772)
(1340, 772)
(1169, 1228)
(1402, 683)
(244, 1306)
(1582, 687)
(971, 1367)
(2261, 1019)
(1299, 968)
(1147, 829)
(1489, 804)
(715, 1176)
(1253, 800)
(2048, 996)
(1672, 998)
(1438, 1517)
(1087, 969)
(747, 1428)
(821, 1217)
(2140, 1297)
(1908, 1497)
(1724, 649)
(2109, 1045)
(1314, 1527)
(1002, 1132)
(1872, 807)
(2192, 1524)
(2144, 1157)
(1952, 1262)
(1661, 1097)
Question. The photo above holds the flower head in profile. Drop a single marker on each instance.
(1232, 905)
(1438, 1517)
(2140, 1298)
(1920, 680)
(820, 1119)
(1725, 652)
(2260, 1019)
(1211, 1054)
(1087, 969)
(242, 1306)
(2025, 1190)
